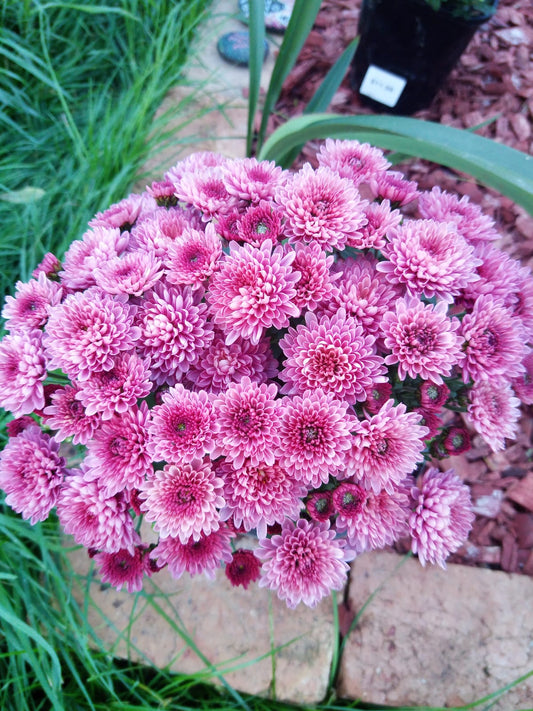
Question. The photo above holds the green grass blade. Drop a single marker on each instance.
(302, 19)
(257, 41)
(501, 167)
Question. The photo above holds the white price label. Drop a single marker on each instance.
(382, 86)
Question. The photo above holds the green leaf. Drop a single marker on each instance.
(507, 170)
(257, 41)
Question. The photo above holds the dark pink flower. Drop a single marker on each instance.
(183, 501)
(442, 518)
(494, 411)
(203, 555)
(314, 436)
(319, 206)
(251, 180)
(433, 396)
(193, 256)
(456, 440)
(87, 331)
(163, 193)
(252, 291)
(259, 223)
(124, 568)
(30, 306)
(97, 247)
(18, 425)
(67, 415)
(332, 354)
(182, 426)
(243, 569)
(319, 505)
(132, 273)
(247, 423)
(31, 473)
(470, 221)
(386, 447)
(523, 386)
(49, 265)
(22, 371)
(259, 496)
(429, 419)
(377, 396)
(303, 564)
(353, 160)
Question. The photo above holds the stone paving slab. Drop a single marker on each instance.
(437, 638)
(231, 627)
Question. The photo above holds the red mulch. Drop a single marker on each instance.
(494, 79)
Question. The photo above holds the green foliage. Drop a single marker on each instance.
(466, 9)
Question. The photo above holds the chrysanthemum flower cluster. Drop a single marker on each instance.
(242, 349)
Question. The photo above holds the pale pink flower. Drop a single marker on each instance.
(206, 191)
(183, 500)
(303, 564)
(256, 225)
(259, 496)
(316, 280)
(470, 221)
(160, 228)
(386, 447)
(87, 331)
(93, 518)
(243, 569)
(182, 426)
(523, 305)
(252, 291)
(132, 273)
(124, 568)
(203, 555)
(353, 160)
(429, 258)
(494, 411)
(174, 330)
(31, 473)
(118, 453)
(314, 436)
(319, 206)
(30, 306)
(251, 180)
(498, 276)
(494, 344)
(22, 372)
(97, 246)
(163, 193)
(442, 518)
(117, 390)
(380, 219)
(67, 415)
(393, 186)
(193, 256)
(422, 339)
(332, 354)
(195, 163)
(247, 423)
(122, 214)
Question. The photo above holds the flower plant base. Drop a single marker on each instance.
(434, 637)
(235, 629)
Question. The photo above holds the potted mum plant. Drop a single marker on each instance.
(407, 49)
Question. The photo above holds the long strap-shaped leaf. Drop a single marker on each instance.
(256, 42)
(302, 19)
(501, 167)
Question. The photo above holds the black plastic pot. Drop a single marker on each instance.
(406, 50)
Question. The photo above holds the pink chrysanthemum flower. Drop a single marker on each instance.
(221, 365)
(49, 266)
(31, 304)
(314, 436)
(87, 331)
(494, 344)
(132, 273)
(195, 557)
(422, 340)
(393, 186)
(456, 440)
(163, 193)
(251, 180)
(471, 222)
(118, 453)
(319, 206)
(380, 219)
(353, 160)
(174, 330)
(259, 496)
(319, 505)
(247, 423)
(523, 306)
(19, 424)
(193, 256)
(117, 390)
(332, 354)
(377, 396)
(373, 520)
(206, 191)
(429, 258)
(183, 501)
(122, 214)
(243, 569)
(97, 246)
(259, 223)
(494, 411)
(31, 472)
(195, 163)
(228, 226)
(303, 564)
(386, 447)
(67, 415)
(431, 420)
(182, 426)
(160, 228)
(499, 277)
(95, 519)
(252, 291)
(523, 386)
(442, 518)
(316, 281)
(124, 568)
(22, 371)
(433, 396)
